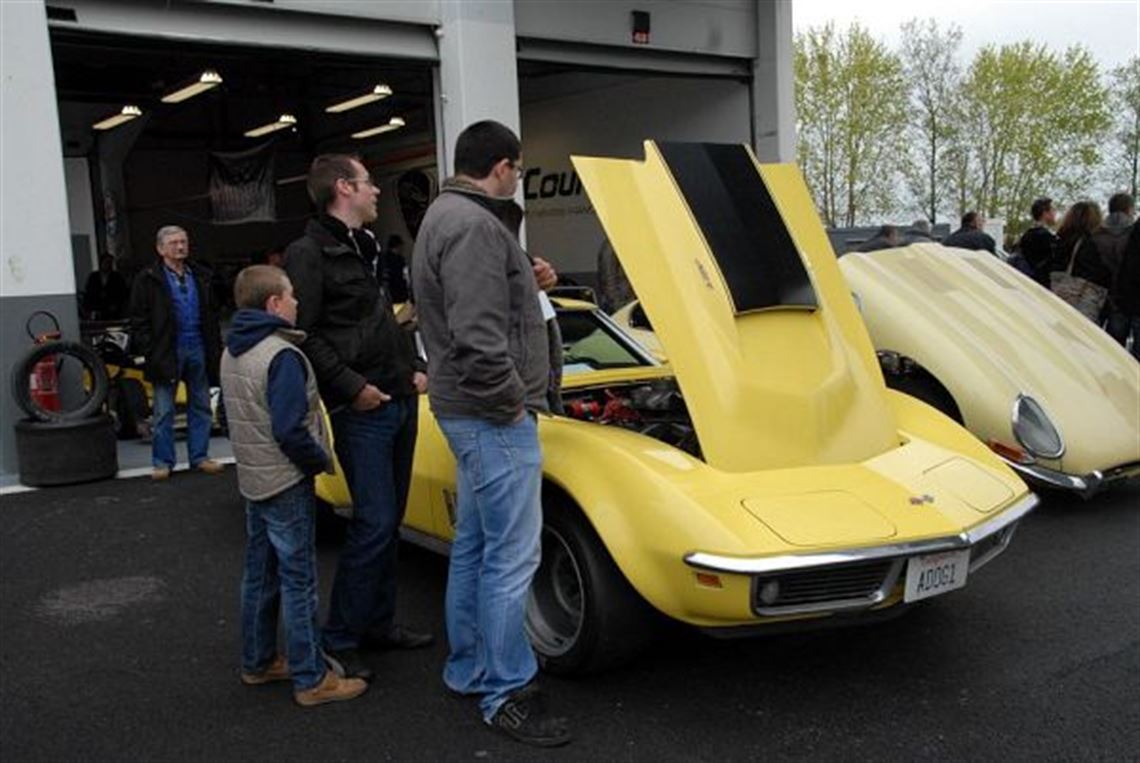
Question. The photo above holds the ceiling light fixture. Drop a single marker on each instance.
(127, 113)
(206, 80)
(395, 123)
(378, 93)
(283, 121)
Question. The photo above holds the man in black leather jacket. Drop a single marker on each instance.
(369, 378)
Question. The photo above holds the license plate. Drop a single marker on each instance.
(934, 574)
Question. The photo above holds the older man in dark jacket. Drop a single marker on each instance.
(369, 378)
(174, 324)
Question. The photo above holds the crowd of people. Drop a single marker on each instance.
(317, 324)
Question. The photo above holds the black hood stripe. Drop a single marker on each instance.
(757, 258)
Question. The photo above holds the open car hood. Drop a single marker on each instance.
(989, 334)
(736, 273)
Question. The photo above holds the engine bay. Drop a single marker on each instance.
(655, 409)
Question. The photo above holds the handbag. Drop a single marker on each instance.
(1087, 297)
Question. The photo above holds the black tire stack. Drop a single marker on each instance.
(67, 446)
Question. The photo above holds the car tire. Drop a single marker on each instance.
(922, 386)
(583, 616)
(66, 452)
(21, 389)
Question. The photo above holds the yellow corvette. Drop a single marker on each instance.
(767, 475)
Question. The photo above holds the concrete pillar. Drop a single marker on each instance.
(36, 271)
(773, 83)
(478, 69)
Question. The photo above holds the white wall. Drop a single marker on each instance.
(609, 115)
(35, 248)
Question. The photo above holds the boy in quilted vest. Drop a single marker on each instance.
(280, 443)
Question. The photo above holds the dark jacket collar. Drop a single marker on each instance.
(336, 238)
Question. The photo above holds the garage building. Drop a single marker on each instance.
(216, 108)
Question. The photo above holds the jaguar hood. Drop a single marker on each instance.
(988, 333)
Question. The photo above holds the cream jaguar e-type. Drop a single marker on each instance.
(1035, 380)
(767, 474)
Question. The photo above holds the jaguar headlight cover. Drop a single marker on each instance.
(1034, 430)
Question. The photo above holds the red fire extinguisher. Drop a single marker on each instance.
(43, 381)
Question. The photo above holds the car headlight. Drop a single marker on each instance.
(1034, 430)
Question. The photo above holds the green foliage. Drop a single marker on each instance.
(1029, 122)
(930, 63)
(1023, 121)
(847, 102)
(1126, 106)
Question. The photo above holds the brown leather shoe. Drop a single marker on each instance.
(278, 670)
(160, 473)
(332, 688)
(210, 466)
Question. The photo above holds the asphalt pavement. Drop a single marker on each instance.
(119, 641)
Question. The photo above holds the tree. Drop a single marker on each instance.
(849, 104)
(1126, 105)
(930, 57)
(1027, 122)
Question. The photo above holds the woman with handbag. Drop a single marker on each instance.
(1078, 275)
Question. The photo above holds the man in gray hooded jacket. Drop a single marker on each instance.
(483, 322)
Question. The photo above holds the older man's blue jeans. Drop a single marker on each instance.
(192, 371)
(494, 557)
(281, 569)
(375, 450)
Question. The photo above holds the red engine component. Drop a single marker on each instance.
(584, 409)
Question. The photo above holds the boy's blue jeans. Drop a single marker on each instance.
(192, 370)
(281, 569)
(494, 557)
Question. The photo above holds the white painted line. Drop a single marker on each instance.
(142, 471)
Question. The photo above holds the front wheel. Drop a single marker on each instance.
(583, 616)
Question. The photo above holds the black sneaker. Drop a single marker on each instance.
(523, 717)
(397, 637)
(347, 663)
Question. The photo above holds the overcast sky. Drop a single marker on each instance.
(1109, 28)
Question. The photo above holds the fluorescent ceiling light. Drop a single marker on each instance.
(283, 121)
(395, 123)
(379, 92)
(205, 81)
(126, 115)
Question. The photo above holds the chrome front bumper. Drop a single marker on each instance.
(988, 539)
(1086, 485)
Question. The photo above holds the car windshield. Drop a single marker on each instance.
(591, 343)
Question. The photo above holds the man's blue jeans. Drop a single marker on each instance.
(281, 568)
(192, 370)
(494, 557)
(375, 450)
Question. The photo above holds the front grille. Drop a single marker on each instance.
(849, 586)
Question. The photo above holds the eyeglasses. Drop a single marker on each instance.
(367, 180)
(517, 167)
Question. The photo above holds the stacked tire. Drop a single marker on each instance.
(67, 446)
